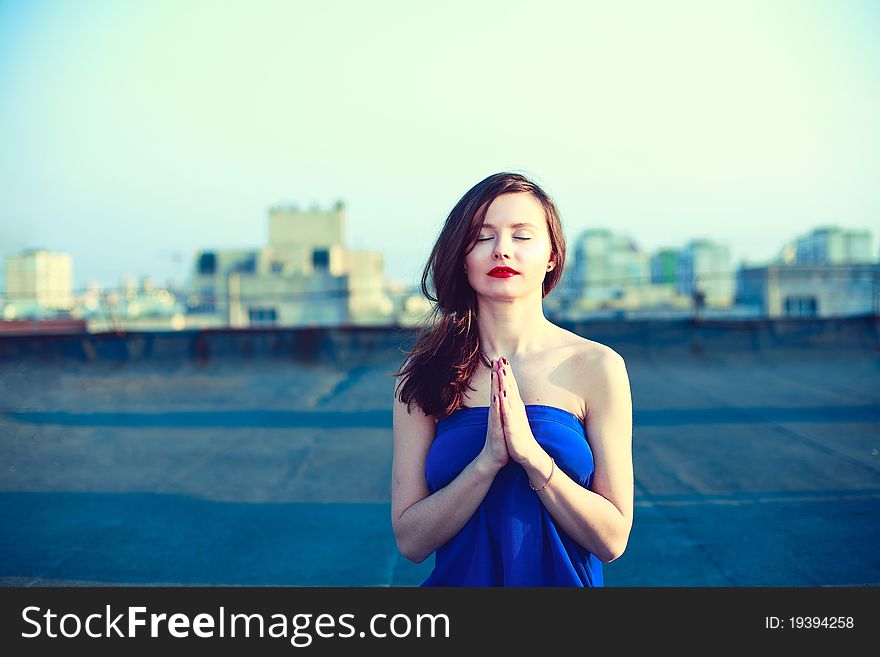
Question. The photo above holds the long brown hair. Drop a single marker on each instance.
(447, 348)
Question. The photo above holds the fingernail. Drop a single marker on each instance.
(504, 372)
(505, 392)
(493, 399)
(504, 359)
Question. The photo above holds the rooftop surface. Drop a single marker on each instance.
(752, 469)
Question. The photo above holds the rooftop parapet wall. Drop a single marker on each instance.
(360, 345)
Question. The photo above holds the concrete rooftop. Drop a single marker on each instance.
(752, 469)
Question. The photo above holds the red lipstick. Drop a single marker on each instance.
(502, 272)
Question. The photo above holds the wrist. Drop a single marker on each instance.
(539, 468)
(535, 459)
(486, 466)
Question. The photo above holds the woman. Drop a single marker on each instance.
(512, 436)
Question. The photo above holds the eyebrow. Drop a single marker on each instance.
(519, 225)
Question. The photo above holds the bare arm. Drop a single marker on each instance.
(427, 524)
(600, 519)
(423, 522)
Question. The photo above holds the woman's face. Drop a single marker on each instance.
(514, 235)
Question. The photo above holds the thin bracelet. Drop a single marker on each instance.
(552, 470)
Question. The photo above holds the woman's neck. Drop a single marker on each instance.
(512, 330)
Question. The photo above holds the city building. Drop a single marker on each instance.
(664, 267)
(810, 290)
(209, 285)
(832, 245)
(39, 283)
(304, 276)
(609, 274)
(605, 265)
(705, 272)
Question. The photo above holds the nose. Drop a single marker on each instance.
(501, 251)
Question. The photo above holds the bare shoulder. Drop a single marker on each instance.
(589, 354)
(598, 368)
(413, 411)
(605, 386)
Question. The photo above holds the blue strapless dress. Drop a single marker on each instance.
(511, 540)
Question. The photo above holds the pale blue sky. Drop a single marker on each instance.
(130, 131)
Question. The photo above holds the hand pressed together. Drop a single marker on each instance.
(495, 448)
(521, 444)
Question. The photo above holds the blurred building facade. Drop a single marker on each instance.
(609, 274)
(810, 290)
(606, 264)
(832, 245)
(607, 271)
(664, 267)
(38, 283)
(704, 270)
(305, 276)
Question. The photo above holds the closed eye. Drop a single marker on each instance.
(483, 239)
